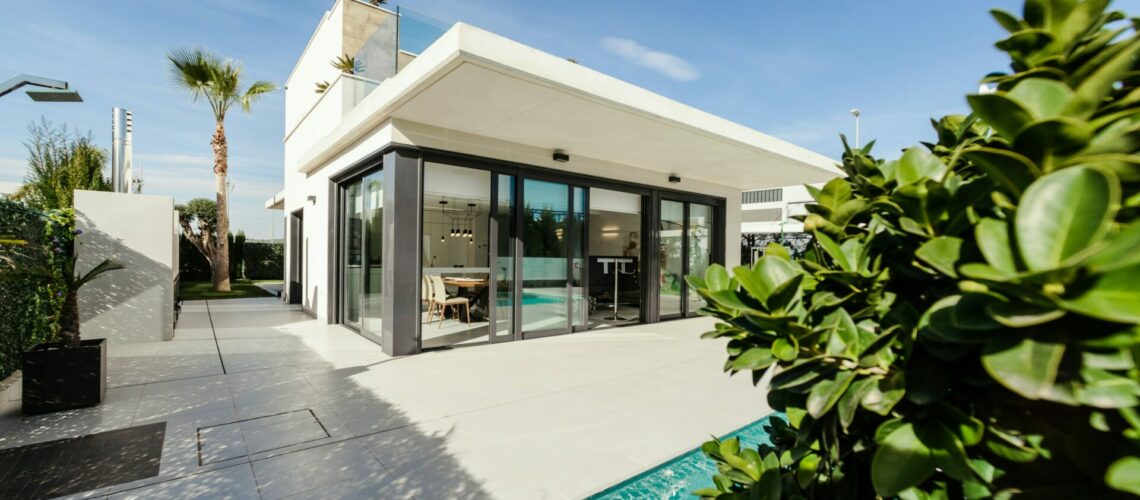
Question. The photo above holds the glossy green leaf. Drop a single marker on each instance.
(775, 249)
(1094, 88)
(884, 394)
(1124, 475)
(832, 248)
(1026, 366)
(800, 373)
(1012, 170)
(948, 453)
(1054, 136)
(917, 164)
(826, 392)
(1049, 226)
(849, 403)
(785, 349)
(1104, 389)
(717, 278)
(1043, 98)
(834, 193)
(941, 253)
(1008, 21)
(993, 240)
(1112, 296)
(765, 276)
(1020, 314)
(1005, 115)
(967, 428)
(902, 460)
(1119, 251)
(756, 358)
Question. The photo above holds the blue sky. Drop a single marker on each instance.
(790, 69)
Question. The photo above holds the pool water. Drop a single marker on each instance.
(680, 477)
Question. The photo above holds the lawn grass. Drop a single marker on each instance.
(202, 290)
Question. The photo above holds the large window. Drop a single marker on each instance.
(456, 278)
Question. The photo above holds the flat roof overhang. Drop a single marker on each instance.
(277, 202)
(476, 82)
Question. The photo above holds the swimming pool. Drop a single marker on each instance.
(680, 477)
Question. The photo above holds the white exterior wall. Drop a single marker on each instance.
(135, 304)
(313, 66)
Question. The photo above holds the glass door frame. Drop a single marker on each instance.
(716, 242)
(338, 192)
(571, 234)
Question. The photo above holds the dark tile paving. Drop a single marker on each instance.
(72, 465)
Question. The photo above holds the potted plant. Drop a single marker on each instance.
(69, 373)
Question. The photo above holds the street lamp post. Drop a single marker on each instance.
(856, 113)
(52, 90)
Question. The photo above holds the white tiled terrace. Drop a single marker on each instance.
(263, 401)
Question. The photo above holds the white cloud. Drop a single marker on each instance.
(662, 62)
(175, 159)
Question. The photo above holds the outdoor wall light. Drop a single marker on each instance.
(561, 156)
(312, 199)
(674, 178)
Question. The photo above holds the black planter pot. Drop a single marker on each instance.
(62, 378)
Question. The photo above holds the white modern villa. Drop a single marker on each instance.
(462, 188)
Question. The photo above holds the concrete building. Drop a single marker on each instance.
(463, 188)
(769, 215)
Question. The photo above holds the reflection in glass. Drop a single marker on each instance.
(700, 247)
(615, 257)
(545, 248)
(351, 248)
(580, 310)
(671, 253)
(374, 252)
(505, 260)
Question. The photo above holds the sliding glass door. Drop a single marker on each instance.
(361, 254)
(545, 257)
(686, 247)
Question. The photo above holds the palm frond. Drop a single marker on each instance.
(98, 270)
(255, 91)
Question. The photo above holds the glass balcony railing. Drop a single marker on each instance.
(341, 96)
(398, 40)
(418, 31)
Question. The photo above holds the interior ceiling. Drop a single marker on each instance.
(477, 100)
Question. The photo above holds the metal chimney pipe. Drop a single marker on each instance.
(121, 126)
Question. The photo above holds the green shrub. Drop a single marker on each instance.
(31, 296)
(192, 265)
(264, 260)
(966, 323)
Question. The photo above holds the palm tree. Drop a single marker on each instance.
(206, 75)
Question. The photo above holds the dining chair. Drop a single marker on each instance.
(441, 302)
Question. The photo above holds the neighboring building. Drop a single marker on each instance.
(465, 188)
(769, 215)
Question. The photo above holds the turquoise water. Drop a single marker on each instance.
(529, 299)
(679, 477)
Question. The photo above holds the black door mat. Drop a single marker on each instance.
(72, 465)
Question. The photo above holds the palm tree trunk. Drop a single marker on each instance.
(221, 260)
(69, 319)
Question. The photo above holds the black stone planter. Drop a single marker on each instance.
(62, 378)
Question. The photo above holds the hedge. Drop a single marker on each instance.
(259, 260)
(30, 302)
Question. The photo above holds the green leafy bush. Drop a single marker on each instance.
(966, 323)
(30, 302)
(264, 260)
